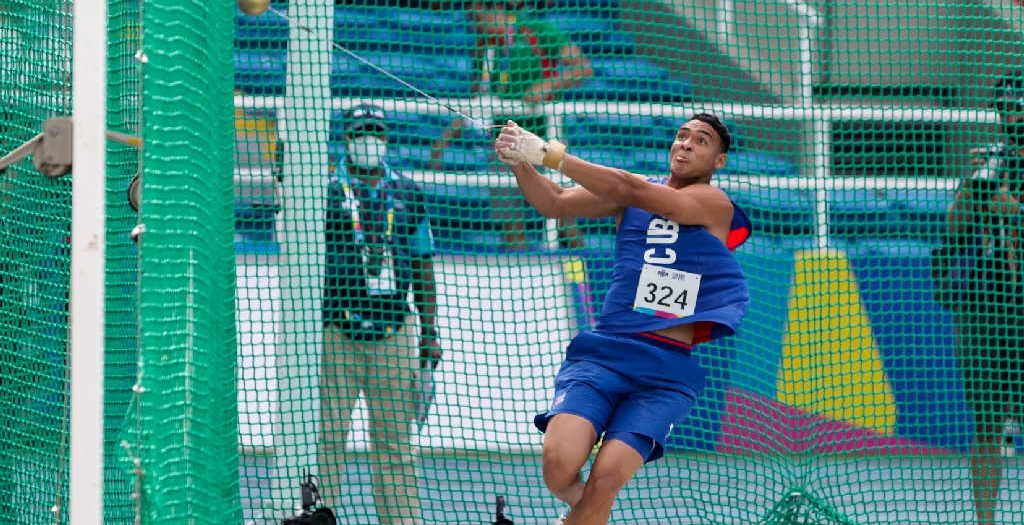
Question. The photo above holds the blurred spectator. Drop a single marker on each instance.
(978, 277)
(519, 58)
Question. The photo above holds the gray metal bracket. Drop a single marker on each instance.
(51, 150)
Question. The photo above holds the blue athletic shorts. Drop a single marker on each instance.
(637, 403)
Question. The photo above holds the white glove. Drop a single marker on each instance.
(507, 156)
(515, 145)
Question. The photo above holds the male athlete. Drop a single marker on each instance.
(675, 284)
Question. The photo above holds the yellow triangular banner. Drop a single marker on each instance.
(830, 362)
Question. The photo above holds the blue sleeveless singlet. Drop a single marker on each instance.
(668, 274)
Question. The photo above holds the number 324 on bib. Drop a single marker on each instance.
(666, 292)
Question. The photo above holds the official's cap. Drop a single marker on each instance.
(365, 118)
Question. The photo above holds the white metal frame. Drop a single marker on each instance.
(88, 239)
(304, 117)
(825, 112)
(816, 118)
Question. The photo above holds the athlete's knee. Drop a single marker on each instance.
(616, 464)
(561, 466)
(605, 483)
(567, 446)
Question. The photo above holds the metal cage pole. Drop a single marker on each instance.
(88, 223)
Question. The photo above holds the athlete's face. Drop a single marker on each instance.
(696, 151)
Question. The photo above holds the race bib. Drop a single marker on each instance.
(666, 292)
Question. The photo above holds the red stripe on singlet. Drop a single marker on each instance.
(666, 340)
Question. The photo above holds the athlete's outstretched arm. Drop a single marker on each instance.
(556, 202)
(699, 204)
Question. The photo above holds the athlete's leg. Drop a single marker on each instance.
(615, 465)
(567, 445)
(579, 413)
(587, 397)
(636, 433)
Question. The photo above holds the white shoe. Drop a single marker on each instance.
(560, 520)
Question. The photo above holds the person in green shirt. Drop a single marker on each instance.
(519, 57)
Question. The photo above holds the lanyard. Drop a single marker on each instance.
(353, 203)
(378, 263)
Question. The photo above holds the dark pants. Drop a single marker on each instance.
(991, 352)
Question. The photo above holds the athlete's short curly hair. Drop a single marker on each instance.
(718, 126)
